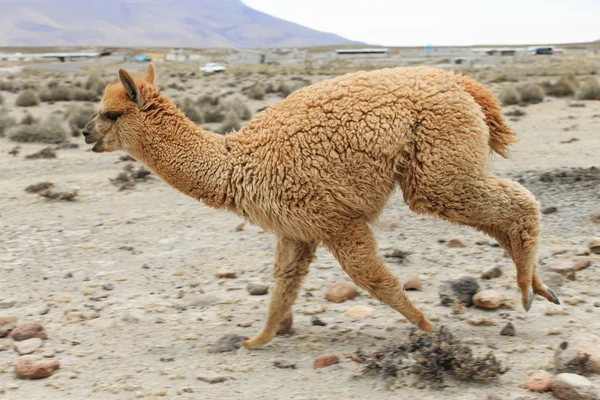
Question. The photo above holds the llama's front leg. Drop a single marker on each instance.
(292, 259)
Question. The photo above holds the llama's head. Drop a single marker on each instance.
(119, 120)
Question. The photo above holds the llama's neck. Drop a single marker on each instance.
(192, 160)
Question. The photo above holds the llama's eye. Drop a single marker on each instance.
(112, 115)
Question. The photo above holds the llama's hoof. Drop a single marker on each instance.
(425, 326)
(256, 342)
(555, 298)
(529, 300)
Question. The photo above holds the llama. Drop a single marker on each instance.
(319, 166)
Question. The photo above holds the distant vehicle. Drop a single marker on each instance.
(143, 58)
(212, 68)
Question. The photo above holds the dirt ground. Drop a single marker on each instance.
(125, 283)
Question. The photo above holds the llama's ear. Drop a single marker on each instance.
(133, 92)
(150, 74)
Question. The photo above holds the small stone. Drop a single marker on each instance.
(200, 300)
(227, 343)
(257, 289)
(167, 359)
(549, 209)
(397, 255)
(33, 368)
(554, 331)
(28, 331)
(489, 299)
(286, 324)
(581, 262)
(245, 324)
(413, 282)
(554, 310)
(508, 330)
(6, 329)
(553, 279)
(316, 321)
(597, 304)
(44, 310)
(8, 319)
(479, 321)
(326, 361)
(108, 286)
(358, 312)
(595, 216)
(594, 245)
(28, 346)
(573, 387)
(579, 354)
(462, 289)
(240, 227)
(539, 381)
(226, 273)
(456, 241)
(492, 273)
(340, 291)
(562, 267)
(212, 377)
(8, 303)
(283, 363)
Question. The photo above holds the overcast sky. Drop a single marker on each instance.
(444, 22)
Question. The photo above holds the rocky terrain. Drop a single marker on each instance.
(115, 286)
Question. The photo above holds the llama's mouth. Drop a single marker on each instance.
(97, 147)
(90, 140)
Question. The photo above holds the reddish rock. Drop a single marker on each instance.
(492, 273)
(5, 330)
(490, 299)
(413, 282)
(28, 331)
(359, 312)
(326, 361)
(226, 273)
(240, 227)
(8, 319)
(539, 381)
(456, 241)
(580, 263)
(340, 291)
(594, 245)
(33, 368)
(286, 324)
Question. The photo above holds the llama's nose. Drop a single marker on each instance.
(86, 132)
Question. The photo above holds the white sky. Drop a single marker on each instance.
(444, 22)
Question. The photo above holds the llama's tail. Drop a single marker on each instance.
(501, 136)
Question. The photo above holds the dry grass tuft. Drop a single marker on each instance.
(27, 98)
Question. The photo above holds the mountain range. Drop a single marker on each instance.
(151, 23)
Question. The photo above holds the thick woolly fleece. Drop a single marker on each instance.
(320, 165)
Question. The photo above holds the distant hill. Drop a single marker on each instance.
(150, 23)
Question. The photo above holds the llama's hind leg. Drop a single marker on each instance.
(506, 211)
(292, 259)
(356, 251)
(536, 282)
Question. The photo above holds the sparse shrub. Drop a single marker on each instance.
(28, 119)
(95, 83)
(191, 110)
(517, 112)
(257, 91)
(270, 88)
(510, 96)
(1, 99)
(9, 86)
(231, 122)
(531, 93)
(78, 117)
(590, 90)
(240, 108)
(27, 98)
(285, 89)
(176, 86)
(6, 121)
(208, 100)
(562, 88)
(49, 131)
(79, 94)
(60, 93)
(214, 114)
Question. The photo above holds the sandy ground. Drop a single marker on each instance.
(155, 250)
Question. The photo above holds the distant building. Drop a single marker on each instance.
(362, 51)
